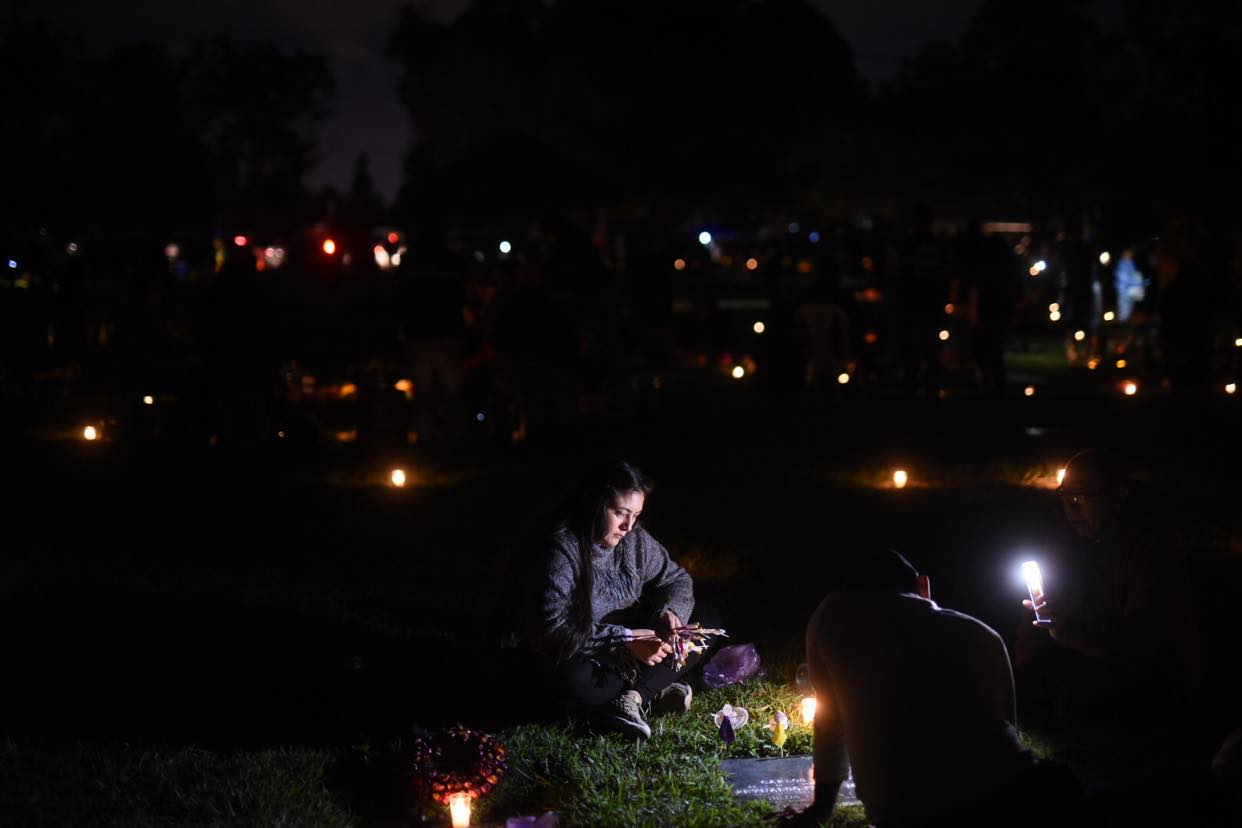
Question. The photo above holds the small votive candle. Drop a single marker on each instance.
(808, 709)
(459, 810)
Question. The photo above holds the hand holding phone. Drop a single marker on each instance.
(1035, 588)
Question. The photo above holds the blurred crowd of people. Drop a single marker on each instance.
(569, 323)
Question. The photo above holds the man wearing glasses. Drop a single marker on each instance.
(1118, 613)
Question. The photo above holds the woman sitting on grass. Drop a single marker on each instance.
(610, 602)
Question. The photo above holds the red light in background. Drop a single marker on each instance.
(239, 240)
(393, 238)
(329, 246)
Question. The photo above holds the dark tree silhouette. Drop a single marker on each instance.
(605, 101)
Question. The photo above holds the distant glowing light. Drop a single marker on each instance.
(752, 264)
(794, 227)
(758, 327)
(90, 434)
(1079, 336)
(1029, 391)
(1093, 363)
(814, 237)
(72, 248)
(172, 251)
(505, 248)
(397, 477)
(1121, 363)
(738, 372)
(871, 337)
(329, 246)
(1231, 388)
(1060, 476)
(405, 387)
(1054, 307)
(480, 416)
(1237, 343)
(383, 260)
(1054, 316)
(705, 238)
(949, 309)
(843, 378)
(1105, 258)
(808, 710)
(944, 336)
(349, 390)
(1041, 266)
(900, 478)
(393, 237)
(240, 240)
(679, 264)
(274, 256)
(1109, 316)
(12, 264)
(1130, 388)
(148, 400)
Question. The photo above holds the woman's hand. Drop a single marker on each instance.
(666, 623)
(649, 649)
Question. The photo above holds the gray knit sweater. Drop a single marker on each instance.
(636, 580)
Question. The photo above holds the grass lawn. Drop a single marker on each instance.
(198, 644)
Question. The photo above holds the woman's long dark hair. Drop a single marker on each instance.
(586, 520)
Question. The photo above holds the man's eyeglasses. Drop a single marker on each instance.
(1078, 498)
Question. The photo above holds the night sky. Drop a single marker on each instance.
(366, 116)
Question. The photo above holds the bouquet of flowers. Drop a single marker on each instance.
(691, 638)
(456, 760)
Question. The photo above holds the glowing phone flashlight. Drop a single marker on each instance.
(1034, 586)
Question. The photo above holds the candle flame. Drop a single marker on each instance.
(808, 709)
(459, 810)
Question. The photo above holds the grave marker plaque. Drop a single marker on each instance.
(786, 782)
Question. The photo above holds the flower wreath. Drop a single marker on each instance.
(454, 761)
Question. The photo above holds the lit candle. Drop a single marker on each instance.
(90, 433)
(397, 476)
(459, 809)
(1060, 476)
(808, 709)
(900, 478)
(1034, 584)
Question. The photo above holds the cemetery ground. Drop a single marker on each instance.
(220, 638)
